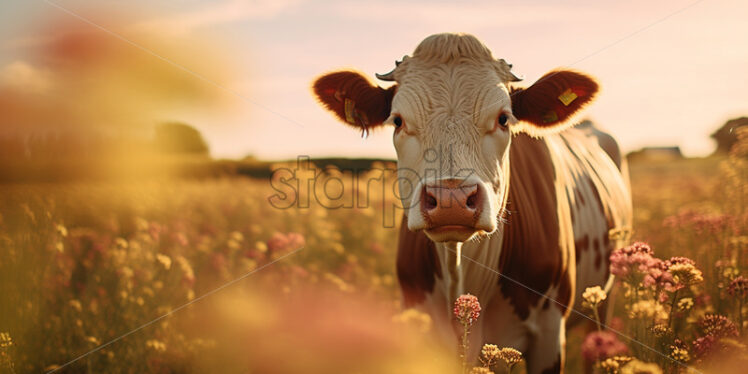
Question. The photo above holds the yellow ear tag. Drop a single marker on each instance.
(550, 117)
(567, 97)
(349, 111)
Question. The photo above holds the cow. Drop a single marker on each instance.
(504, 198)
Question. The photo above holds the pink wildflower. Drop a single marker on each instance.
(703, 346)
(600, 345)
(277, 242)
(295, 240)
(155, 229)
(679, 260)
(636, 263)
(280, 243)
(738, 287)
(467, 309)
(218, 261)
(700, 222)
(718, 326)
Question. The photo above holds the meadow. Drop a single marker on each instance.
(177, 275)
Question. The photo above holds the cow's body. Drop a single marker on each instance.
(567, 195)
(492, 171)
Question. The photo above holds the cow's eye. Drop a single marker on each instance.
(398, 121)
(503, 119)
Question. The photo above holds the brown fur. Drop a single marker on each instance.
(531, 253)
(371, 103)
(535, 103)
(580, 246)
(417, 265)
(556, 368)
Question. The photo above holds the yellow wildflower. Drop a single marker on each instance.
(647, 309)
(164, 260)
(121, 243)
(481, 370)
(237, 236)
(261, 246)
(490, 354)
(612, 365)
(679, 354)
(660, 330)
(5, 340)
(75, 304)
(593, 296)
(511, 356)
(685, 303)
(685, 273)
(155, 345)
(639, 367)
(126, 272)
(62, 230)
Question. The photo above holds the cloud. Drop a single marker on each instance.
(228, 11)
(24, 77)
(85, 80)
(29, 41)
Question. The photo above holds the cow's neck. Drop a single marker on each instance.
(471, 267)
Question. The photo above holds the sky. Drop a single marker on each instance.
(671, 72)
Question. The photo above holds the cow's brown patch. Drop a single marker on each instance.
(555, 368)
(531, 256)
(600, 249)
(564, 295)
(580, 198)
(353, 99)
(581, 246)
(417, 265)
(607, 249)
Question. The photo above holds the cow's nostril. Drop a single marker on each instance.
(471, 201)
(430, 201)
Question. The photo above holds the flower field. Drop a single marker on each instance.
(187, 275)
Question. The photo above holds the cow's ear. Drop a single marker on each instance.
(552, 101)
(353, 99)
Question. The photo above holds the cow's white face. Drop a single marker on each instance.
(452, 138)
(453, 120)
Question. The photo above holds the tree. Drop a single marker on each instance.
(180, 139)
(726, 135)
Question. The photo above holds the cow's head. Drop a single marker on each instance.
(453, 114)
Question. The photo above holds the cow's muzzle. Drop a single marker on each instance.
(451, 209)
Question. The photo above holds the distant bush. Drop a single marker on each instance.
(180, 138)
